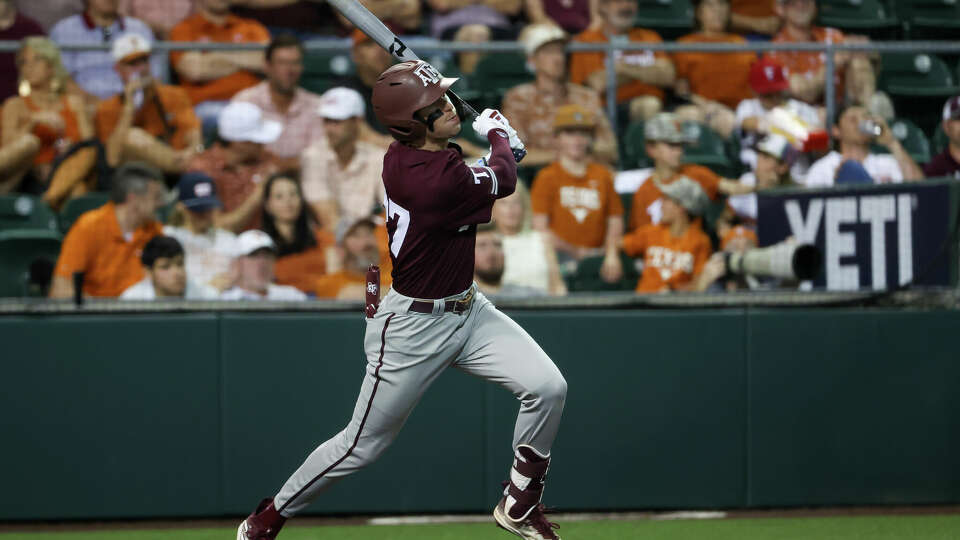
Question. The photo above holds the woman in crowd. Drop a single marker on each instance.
(529, 259)
(302, 246)
(57, 120)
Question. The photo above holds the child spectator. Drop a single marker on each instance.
(101, 22)
(489, 266)
(529, 258)
(573, 198)
(676, 252)
(854, 163)
(14, 26)
(664, 139)
(714, 83)
(947, 163)
(473, 22)
(754, 17)
(240, 164)
(211, 78)
(357, 248)
(531, 107)
(341, 173)
(104, 244)
(209, 250)
(574, 16)
(774, 157)
(300, 243)
(47, 115)
(150, 121)
(642, 76)
(282, 100)
(253, 268)
(167, 277)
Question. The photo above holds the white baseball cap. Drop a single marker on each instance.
(341, 103)
(248, 242)
(538, 35)
(241, 121)
(130, 46)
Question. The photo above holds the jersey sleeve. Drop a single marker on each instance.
(470, 191)
(75, 254)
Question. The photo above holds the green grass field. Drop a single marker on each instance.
(833, 528)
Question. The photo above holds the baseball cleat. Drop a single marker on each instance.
(263, 524)
(535, 526)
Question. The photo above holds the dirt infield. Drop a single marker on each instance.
(73, 526)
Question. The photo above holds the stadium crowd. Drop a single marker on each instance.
(267, 177)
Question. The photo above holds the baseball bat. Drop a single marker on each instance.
(369, 24)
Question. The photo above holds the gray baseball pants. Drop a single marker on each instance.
(406, 351)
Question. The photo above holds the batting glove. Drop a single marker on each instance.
(489, 120)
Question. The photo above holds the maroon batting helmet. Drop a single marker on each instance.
(403, 90)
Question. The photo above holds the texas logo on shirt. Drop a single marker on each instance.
(668, 261)
(580, 201)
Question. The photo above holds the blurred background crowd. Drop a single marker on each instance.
(253, 172)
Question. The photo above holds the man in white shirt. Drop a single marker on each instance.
(854, 132)
(342, 175)
(210, 250)
(163, 262)
(253, 267)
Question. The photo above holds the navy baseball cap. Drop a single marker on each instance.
(198, 192)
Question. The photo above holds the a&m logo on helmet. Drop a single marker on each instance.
(427, 73)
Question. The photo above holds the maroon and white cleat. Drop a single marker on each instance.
(535, 526)
(263, 524)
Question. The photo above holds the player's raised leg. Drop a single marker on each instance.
(499, 350)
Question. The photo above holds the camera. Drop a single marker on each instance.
(786, 260)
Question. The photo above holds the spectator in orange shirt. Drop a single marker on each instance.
(714, 83)
(105, 244)
(574, 200)
(211, 78)
(531, 107)
(240, 164)
(301, 244)
(754, 17)
(855, 75)
(676, 252)
(664, 139)
(357, 248)
(150, 122)
(642, 76)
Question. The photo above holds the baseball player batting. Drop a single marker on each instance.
(434, 317)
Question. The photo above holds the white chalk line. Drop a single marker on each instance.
(560, 517)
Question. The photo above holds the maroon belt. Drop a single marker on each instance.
(449, 306)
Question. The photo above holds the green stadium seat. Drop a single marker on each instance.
(495, 74)
(872, 17)
(912, 138)
(18, 211)
(926, 19)
(939, 140)
(21, 249)
(669, 18)
(626, 200)
(321, 69)
(916, 75)
(79, 205)
(587, 277)
(709, 150)
(633, 155)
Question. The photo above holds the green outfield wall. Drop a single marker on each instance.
(203, 414)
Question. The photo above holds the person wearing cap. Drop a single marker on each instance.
(573, 198)
(676, 251)
(853, 162)
(302, 246)
(770, 84)
(253, 267)
(240, 164)
(209, 249)
(211, 78)
(532, 106)
(341, 173)
(104, 244)
(149, 121)
(713, 83)
(357, 248)
(947, 163)
(281, 99)
(664, 140)
(167, 277)
(774, 158)
(93, 70)
(642, 76)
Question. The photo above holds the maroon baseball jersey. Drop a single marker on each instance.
(434, 203)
